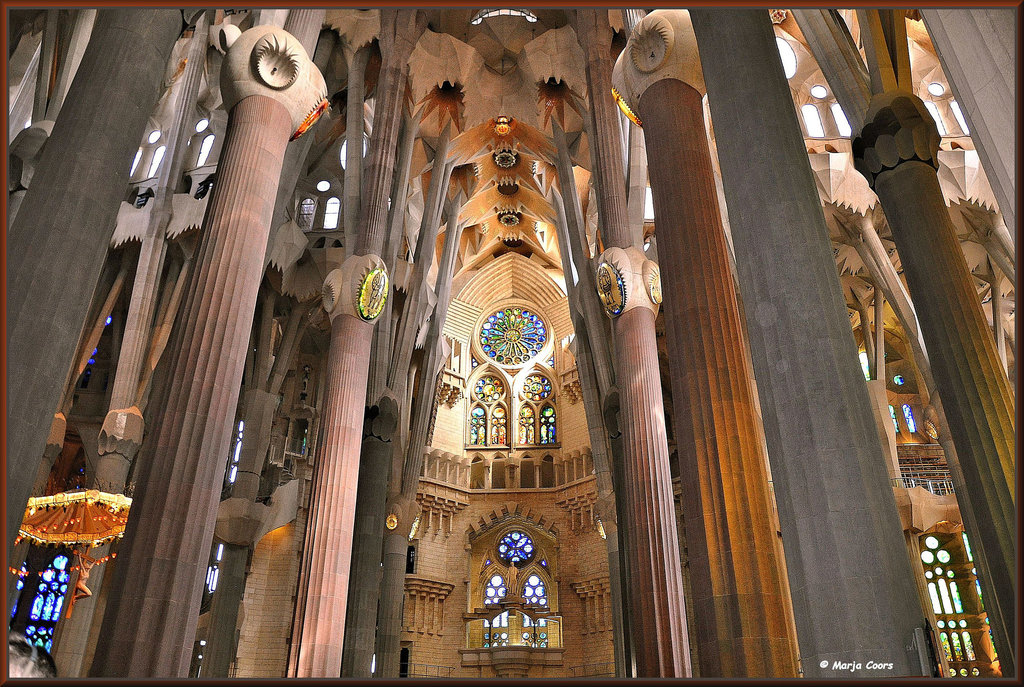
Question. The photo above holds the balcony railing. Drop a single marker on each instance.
(422, 670)
(936, 485)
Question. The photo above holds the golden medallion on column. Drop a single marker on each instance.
(373, 294)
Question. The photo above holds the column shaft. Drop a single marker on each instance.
(329, 534)
(841, 531)
(50, 286)
(975, 391)
(149, 628)
(735, 577)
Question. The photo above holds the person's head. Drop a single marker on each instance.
(25, 659)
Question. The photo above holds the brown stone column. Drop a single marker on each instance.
(735, 578)
(655, 604)
(149, 626)
(896, 151)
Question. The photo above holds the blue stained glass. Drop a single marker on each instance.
(48, 607)
(516, 548)
(37, 607)
(48, 575)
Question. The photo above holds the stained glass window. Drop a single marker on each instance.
(892, 413)
(47, 604)
(516, 548)
(534, 592)
(495, 589)
(944, 639)
(934, 594)
(968, 646)
(527, 428)
(955, 638)
(909, 414)
(537, 387)
(547, 425)
(496, 630)
(499, 426)
(489, 389)
(477, 426)
(955, 593)
(512, 336)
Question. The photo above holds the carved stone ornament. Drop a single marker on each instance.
(652, 279)
(899, 129)
(358, 288)
(269, 61)
(662, 46)
(626, 279)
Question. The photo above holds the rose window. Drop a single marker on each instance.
(537, 387)
(512, 336)
(516, 548)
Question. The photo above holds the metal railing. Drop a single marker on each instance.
(938, 486)
(427, 670)
(606, 669)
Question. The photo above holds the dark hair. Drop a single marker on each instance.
(25, 659)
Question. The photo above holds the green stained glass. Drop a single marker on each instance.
(957, 651)
(512, 336)
(955, 593)
(944, 639)
(547, 425)
(967, 546)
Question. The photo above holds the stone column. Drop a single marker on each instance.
(897, 153)
(123, 427)
(148, 630)
(354, 297)
(655, 604)
(50, 287)
(739, 603)
(853, 592)
(368, 533)
(354, 127)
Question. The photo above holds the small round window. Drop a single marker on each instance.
(516, 548)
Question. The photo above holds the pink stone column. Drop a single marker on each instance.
(149, 626)
(735, 575)
(329, 534)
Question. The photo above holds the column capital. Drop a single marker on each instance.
(358, 288)
(662, 46)
(626, 279)
(269, 61)
(898, 129)
(122, 432)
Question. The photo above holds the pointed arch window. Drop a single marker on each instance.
(534, 591)
(547, 425)
(527, 425)
(478, 426)
(499, 426)
(205, 149)
(46, 607)
(495, 590)
(307, 211)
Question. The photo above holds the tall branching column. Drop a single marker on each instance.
(735, 576)
(50, 287)
(854, 599)
(149, 627)
(897, 152)
(354, 297)
(656, 601)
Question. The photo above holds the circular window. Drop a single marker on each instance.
(489, 389)
(154, 136)
(943, 556)
(819, 91)
(516, 548)
(512, 336)
(936, 89)
(201, 125)
(928, 557)
(323, 185)
(536, 387)
(931, 542)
